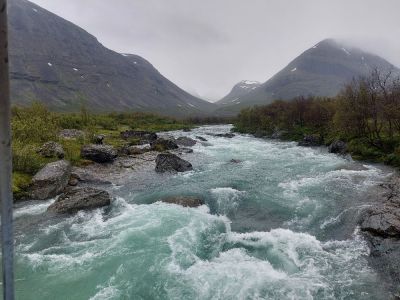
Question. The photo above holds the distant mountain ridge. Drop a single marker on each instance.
(60, 64)
(322, 70)
(240, 89)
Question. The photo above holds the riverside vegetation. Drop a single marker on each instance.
(365, 115)
(35, 125)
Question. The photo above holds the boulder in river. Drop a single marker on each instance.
(51, 180)
(163, 144)
(200, 138)
(380, 225)
(99, 153)
(186, 201)
(311, 140)
(235, 161)
(185, 141)
(80, 199)
(167, 162)
(51, 149)
(224, 135)
(338, 147)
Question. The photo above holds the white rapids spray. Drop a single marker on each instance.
(279, 223)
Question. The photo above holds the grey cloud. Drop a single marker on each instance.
(207, 46)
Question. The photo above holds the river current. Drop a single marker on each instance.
(279, 224)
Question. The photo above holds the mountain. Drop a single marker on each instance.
(239, 90)
(60, 64)
(322, 70)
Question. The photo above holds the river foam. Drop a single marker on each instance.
(269, 230)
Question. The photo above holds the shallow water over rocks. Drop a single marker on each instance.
(281, 224)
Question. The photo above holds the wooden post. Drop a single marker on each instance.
(7, 237)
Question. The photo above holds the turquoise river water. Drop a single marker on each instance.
(281, 224)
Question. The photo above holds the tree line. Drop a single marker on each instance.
(365, 114)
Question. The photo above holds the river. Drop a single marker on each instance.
(279, 224)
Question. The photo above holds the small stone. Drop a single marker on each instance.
(185, 201)
(200, 138)
(51, 149)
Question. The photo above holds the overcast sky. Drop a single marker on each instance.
(206, 46)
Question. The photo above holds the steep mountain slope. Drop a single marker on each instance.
(239, 90)
(321, 71)
(60, 64)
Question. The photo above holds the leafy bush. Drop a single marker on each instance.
(34, 124)
(20, 184)
(25, 158)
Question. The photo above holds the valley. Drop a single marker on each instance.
(239, 158)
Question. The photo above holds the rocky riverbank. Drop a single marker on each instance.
(380, 224)
(81, 187)
(268, 208)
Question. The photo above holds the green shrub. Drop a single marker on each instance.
(25, 158)
(20, 184)
(72, 150)
(34, 124)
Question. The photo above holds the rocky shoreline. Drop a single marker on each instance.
(380, 225)
(81, 187)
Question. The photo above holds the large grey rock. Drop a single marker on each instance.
(311, 140)
(80, 199)
(186, 201)
(99, 153)
(167, 162)
(51, 149)
(144, 137)
(380, 225)
(185, 141)
(163, 144)
(338, 147)
(382, 221)
(51, 180)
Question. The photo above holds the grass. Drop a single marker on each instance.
(20, 184)
(35, 125)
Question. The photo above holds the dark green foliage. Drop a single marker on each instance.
(35, 125)
(20, 184)
(366, 114)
